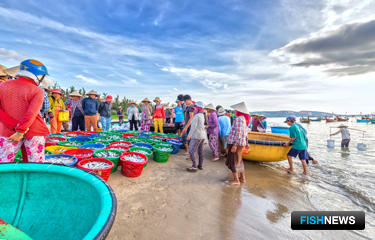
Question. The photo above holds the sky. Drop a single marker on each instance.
(272, 54)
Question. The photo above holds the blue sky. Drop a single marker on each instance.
(275, 55)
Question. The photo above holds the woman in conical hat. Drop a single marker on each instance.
(237, 141)
(213, 131)
(158, 115)
(77, 114)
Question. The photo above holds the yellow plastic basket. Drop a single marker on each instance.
(58, 149)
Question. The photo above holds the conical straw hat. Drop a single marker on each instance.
(92, 92)
(240, 107)
(75, 94)
(210, 106)
(146, 100)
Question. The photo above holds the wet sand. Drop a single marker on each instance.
(167, 202)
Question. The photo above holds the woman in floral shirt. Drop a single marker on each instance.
(237, 140)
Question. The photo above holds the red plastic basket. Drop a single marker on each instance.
(119, 142)
(132, 169)
(103, 173)
(120, 148)
(80, 151)
(126, 135)
(160, 137)
(172, 138)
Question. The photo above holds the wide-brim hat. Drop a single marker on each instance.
(157, 99)
(342, 126)
(199, 104)
(57, 91)
(75, 94)
(240, 107)
(92, 92)
(133, 102)
(146, 100)
(210, 106)
(221, 111)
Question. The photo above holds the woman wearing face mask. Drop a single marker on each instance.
(21, 125)
(197, 135)
(133, 116)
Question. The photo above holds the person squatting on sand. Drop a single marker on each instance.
(237, 140)
(196, 136)
(21, 125)
(213, 131)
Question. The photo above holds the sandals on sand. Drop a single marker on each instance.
(191, 169)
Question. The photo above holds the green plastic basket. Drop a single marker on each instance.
(173, 135)
(164, 144)
(133, 132)
(148, 151)
(154, 141)
(114, 160)
(161, 156)
(48, 152)
(70, 143)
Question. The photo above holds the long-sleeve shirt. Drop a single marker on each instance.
(105, 109)
(213, 124)
(54, 103)
(74, 106)
(238, 133)
(90, 106)
(197, 129)
(22, 100)
(132, 112)
(344, 133)
(224, 126)
(45, 105)
(158, 112)
(146, 112)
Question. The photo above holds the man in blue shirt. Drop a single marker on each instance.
(178, 123)
(224, 128)
(90, 106)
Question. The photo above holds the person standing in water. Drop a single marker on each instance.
(345, 135)
(237, 140)
(298, 138)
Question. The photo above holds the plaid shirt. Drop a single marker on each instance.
(238, 134)
(45, 105)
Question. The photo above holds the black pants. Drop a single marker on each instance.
(78, 122)
(133, 124)
(167, 120)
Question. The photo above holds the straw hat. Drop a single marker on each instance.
(221, 111)
(133, 102)
(92, 92)
(12, 71)
(75, 94)
(157, 99)
(342, 126)
(240, 107)
(210, 106)
(146, 100)
(199, 104)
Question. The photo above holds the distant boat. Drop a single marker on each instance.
(316, 119)
(363, 120)
(341, 119)
(305, 120)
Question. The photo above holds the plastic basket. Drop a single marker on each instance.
(176, 139)
(121, 143)
(115, 160)
(132, 169)
(134, 132)
(149, 152)
(70, 143)
(161, 156)
(81, 138)
(139, 140)
(57, 149)
(56, 135)
(154, 141)
(18, 157)
(57, 139)
(75, 160)
(144, 145)
(80, 153)
(119, 148)
(160, 137)
(48, 152)
(172, 135)
(93, 146)
(103, 173)
(164, 144)
(176, 145)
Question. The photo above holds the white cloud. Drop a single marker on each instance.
(11, 56)
(90, 81)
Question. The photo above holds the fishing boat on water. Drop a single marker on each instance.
(363, 120)
(266, 147)
(305, 120)
(328, 120)
(319, 119)
(342, 119)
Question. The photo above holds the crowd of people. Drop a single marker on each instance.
(23, 104)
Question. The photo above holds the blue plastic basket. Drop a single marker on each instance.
(93, 146)
(144, 145)
(143, 135)
(81, 138)
(176, 145)
(75, 160)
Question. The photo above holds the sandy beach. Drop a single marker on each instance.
(167, 202)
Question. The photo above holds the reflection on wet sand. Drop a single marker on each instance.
(229, 206)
